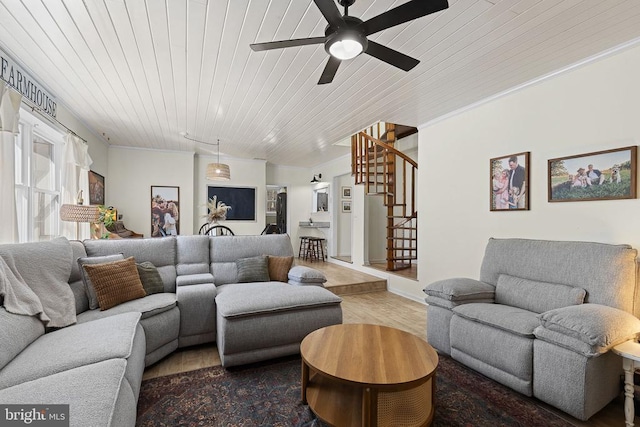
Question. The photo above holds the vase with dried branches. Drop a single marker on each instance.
(217, 210)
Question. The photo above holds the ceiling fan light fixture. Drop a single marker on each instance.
(346, 45)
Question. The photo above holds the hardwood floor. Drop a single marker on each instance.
(346, 281)
(379, 307)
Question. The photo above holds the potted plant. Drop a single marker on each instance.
(106, 218)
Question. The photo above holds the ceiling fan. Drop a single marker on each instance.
(345, 37)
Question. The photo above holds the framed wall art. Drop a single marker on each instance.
(601, 175)
(96, 188)
(346, 206)
(241, 199)
(509, 182)
(165, 211)
(346, 192)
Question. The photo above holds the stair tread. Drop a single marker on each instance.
(365, 163)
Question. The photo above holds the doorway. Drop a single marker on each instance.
(343, 208)
(276, 220)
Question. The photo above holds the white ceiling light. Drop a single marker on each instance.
(345, 49)
(346, 44)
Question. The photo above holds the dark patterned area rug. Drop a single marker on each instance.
(268, 394)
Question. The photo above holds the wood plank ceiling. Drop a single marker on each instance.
(142, 71)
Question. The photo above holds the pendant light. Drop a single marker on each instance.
(215, 171)
(218, 171)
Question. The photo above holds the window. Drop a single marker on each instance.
(38, 151)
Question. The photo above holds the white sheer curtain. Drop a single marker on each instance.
(9, 117)
(75, 177)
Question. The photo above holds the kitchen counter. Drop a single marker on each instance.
(307, 224)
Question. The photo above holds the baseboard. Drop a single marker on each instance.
(406, 295)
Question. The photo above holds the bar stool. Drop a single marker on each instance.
(316, 249)
(304, 247)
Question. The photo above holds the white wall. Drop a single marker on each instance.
(343, 220)
(132, 172)
(591, 108)
(376, 229)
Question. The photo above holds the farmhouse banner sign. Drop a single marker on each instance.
(18, 79)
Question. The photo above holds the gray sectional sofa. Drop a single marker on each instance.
(65, 352)
(542, 319)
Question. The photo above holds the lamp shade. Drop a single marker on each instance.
(79, 213)
(218, 172)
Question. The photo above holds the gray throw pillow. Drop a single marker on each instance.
(460, 289)
(304, 274)
(88, 286)
(254, 269)
(150, 278)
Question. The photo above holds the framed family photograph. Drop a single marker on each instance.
(96, 188)
(509, 182)
(601, 175)
(165, 211)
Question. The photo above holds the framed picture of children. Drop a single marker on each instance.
(165, 211)
(601, 175)
(509, 182)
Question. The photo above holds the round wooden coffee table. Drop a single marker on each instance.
(368, 375)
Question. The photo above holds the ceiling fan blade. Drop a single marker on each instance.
(287, 43)
(406, 12)
(329, 70)
(391, 56)
(330, 12)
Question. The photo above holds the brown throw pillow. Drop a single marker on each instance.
(279, 267)
(115, 282)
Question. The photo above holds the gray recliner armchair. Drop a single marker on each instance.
(542, 319)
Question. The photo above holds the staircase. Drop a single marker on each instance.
(387, 172)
